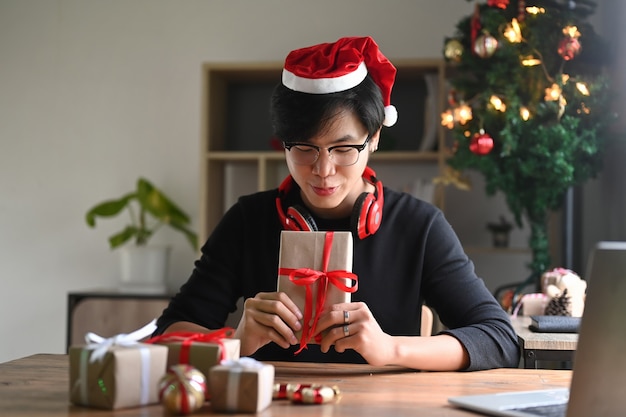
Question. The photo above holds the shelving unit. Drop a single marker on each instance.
(238, 156)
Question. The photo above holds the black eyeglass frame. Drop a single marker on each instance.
(359, 148)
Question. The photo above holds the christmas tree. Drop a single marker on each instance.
(528, 105)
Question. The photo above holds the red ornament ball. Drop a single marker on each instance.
(182, 389)
(568, 48)
(481, 144)
(485, 46)
(500, 4)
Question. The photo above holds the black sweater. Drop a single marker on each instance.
(414, 257)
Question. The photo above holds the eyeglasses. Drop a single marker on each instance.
(307, 154)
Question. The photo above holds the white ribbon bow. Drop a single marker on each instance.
(234, 375)
(243, 363)
(101, 346)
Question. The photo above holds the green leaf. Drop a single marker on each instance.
(155, 202)
(122, 237)
(108, 208)
(151, 201)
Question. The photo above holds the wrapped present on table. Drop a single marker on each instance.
(200, 350)
(315, 271)
(117, 372)
(245, 385)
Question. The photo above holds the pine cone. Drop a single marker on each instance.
(559, 306)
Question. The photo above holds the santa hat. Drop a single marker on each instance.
(333, 67)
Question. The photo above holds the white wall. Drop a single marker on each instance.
(95, 93)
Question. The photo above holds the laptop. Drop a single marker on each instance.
(598, 387)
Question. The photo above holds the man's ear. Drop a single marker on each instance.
(373, 142)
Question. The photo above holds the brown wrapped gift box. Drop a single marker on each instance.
(246, 387)
(203, 356)
(119, 379)
(305, 250)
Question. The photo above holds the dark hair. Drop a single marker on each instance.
(298, 117)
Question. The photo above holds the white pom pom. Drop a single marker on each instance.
(391, 116)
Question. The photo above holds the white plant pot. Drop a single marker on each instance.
(144, 268)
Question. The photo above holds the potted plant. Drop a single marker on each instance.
(143, 266)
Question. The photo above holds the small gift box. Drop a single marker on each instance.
(315, 272)
(245, 385)
(118, 372)
(200, 350)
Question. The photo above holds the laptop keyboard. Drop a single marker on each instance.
(552, 410)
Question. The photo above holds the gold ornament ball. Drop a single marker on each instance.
(485, 46)
(453, 50)
(182, 389)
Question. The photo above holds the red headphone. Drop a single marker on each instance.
(366, 215)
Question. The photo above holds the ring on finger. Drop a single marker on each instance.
(346, 331)
(346, 317)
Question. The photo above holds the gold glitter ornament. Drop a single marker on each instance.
(182, 389)
(453, 50)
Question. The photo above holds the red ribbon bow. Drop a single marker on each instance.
(308, 277)
(187, 338)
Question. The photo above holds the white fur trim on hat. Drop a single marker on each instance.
(325, 85)
(391, 116)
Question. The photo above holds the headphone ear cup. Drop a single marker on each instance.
(366, 216)
(299, 219)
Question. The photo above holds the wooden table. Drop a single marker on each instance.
(38, 385)
(558, 347)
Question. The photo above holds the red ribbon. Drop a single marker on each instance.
(308, 277)
(474, 27)
(187, 338)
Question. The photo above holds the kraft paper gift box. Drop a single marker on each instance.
(117, 372)
(310, 261)
(244, 386)
(200, 350)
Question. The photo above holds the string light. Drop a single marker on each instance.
(447, 119)
(463, 114)
(553, 93)
(530, 61)
(535, 10)
(497, 103)
(513, 32)
(582, 87)
(571, 31)
(583, 109)
(524, 113)
(562, 104)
